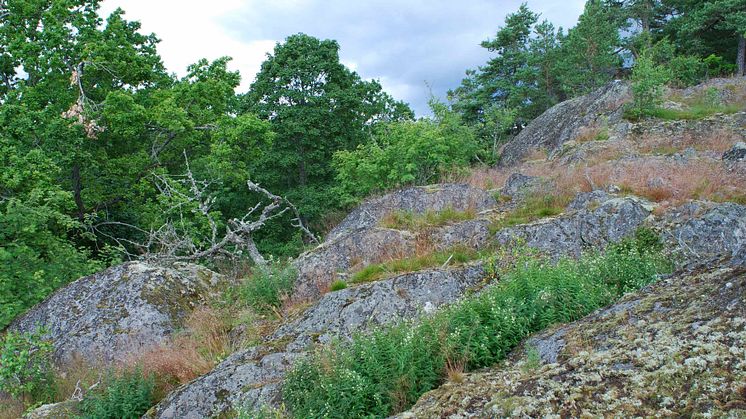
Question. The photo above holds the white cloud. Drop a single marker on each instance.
(192, 30)
(404, 44)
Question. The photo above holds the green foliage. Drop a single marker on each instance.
(25, 365)
(453, 256)
(409, 220)
(589, 57)
(405, 153)
(687, 70)
(36, 255)
(127, 395)
(717, 66)
(386, 371)
(316, 106)
(265, 289)
(517, 83)
(337, 285)
(648, 81)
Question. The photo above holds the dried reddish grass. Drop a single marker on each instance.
(717, 141)
(10, 408)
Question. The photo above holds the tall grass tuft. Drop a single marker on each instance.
(386, 371)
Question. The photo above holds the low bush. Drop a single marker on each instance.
(124, 395)
(386, 371)
(266, 288)
(25, 366)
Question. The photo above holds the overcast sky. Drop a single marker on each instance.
(407, 45)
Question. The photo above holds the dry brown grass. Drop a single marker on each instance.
(717, 141)
(10, 408)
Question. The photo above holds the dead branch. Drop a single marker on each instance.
(171, 242)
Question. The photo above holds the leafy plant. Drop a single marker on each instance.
(385, 371)
(25, 365)
(648, 81)
(265, 289)
(125, 396)
(406, 153)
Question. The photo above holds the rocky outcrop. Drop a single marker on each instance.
(107, 316)
(252, 377)
(674, 349)
(63, 410)
(565, 122)
(417, 200)
(703, 231)
(360, 239)
(594, 220)
(736, 153)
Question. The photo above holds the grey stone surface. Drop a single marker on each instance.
(417, 200)
(703, 231)
(519, 184)
(590, 227)
(252, 378)
(114, 313)
(736, 153)
(360, 239)
(63, 410)
(564, 122)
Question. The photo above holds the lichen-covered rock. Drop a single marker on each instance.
(593, 225)
(736, 153)
(252, 378)
(109, 315)
(703, 231)
(417, 200)
(565, 121)
(674, 349)
(519, 184)
(343, 312)
(63, 410)
(360, 240)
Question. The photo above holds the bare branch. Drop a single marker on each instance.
(172, 242)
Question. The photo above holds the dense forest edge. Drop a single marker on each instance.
(108, 158)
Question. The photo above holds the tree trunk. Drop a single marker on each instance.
(77, 187)
(741, 57)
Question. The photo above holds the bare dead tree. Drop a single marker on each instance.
(171, 242)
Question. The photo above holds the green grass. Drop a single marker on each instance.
(408, 220)
(125, 396)
(377, 271)
(387, 370)
(534, 207)
(265, 289)
(337, 285)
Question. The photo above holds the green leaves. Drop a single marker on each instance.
(405, 153)
(25, 364)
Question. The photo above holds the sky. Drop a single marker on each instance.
(413, 47)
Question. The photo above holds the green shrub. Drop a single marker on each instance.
(265, 288)
(25, 366)
(718, 66)
(687, 70)
(338, 285)
(386, 371)
(125, 396)
(405, 153)
(648, 81)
